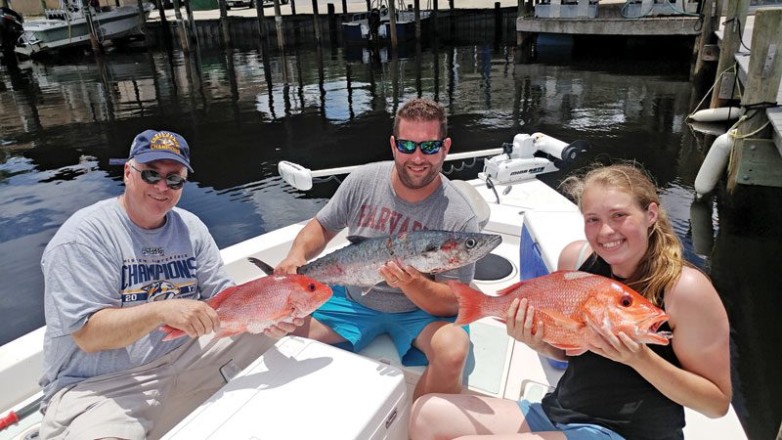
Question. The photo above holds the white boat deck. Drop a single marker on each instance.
(498, 366)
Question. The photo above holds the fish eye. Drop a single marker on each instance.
(431, 248)
(626, 301)
(470, 243)
(311, 286)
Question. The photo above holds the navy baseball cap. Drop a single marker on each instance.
(152, 145)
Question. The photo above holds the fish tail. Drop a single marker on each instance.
(172, 333)
(266, 268)
(471, 303)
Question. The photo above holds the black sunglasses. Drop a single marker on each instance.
(173, 180)
(427, 147)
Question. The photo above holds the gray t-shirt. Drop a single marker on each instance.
(367, 205)
(100, 259)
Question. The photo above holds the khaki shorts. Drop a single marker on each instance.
(147, 401)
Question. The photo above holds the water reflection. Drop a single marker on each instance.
(244, 108)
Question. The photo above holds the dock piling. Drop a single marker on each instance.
(731, 41)
(392, 24)
(711, 16)
(316, 21)
(261, 20)
(755, 159)
(278, 25)
(224, 22)
(332, 23)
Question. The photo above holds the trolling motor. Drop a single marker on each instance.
(519, 161)
(525, 158)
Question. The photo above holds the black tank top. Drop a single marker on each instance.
(600, 391)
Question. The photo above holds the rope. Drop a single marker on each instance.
(741, 33)
(716, 80)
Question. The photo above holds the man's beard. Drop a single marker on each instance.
(416, 182)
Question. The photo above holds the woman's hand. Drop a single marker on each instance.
(618, 347)
(519, 322)
(283, 328)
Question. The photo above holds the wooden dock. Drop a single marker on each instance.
(742, 59)
(758, 164)
(606, 17)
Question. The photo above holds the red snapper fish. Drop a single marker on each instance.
(256, 305)
(565, 301)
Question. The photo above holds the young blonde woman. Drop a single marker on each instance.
(619, 388)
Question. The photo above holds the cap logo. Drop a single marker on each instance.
(165, 141)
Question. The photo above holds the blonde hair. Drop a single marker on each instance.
(662, 263)
(422, 110)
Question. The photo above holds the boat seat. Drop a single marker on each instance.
(478, 203)
(489, 355)
(492, 266)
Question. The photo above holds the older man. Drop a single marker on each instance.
(114, 273)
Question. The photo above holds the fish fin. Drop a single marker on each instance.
(282, 314)
(470, 302)
(172, 333)
(554, 318)
(355, 239)
(215, 301)
(223, 333)
(575, 351)
(366, 290)
(567, 347)
(510, 289)
(267, 269)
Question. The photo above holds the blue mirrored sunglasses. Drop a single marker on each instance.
(173, 180)
(427, 147)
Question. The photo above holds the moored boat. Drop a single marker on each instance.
(535, 223)
(71, 25)
(375, 25)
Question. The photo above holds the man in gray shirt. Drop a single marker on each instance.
(384, 199)
(114, 273)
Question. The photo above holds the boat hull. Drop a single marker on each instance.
(358, 30)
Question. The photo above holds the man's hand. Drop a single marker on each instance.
(289, 265)
(400, 276)
(196, 318)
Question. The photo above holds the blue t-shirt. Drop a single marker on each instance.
(100, 259)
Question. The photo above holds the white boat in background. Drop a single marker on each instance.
(70, 26)
(302, 389)
(363, 27)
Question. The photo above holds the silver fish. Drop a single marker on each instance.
(357, 264)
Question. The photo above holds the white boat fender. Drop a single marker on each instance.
(714, 164)
(716, 114)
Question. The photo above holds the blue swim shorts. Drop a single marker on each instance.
(538, 421)
(360, 325)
